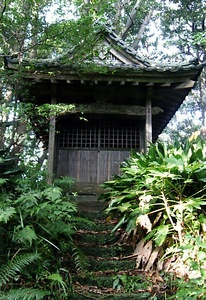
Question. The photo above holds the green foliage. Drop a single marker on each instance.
(191, 290)
(200, 39)
(24, 294)
(15, 266)
(8, 170)
(41, 218)
(58, 286)
(161, 196)
(129, 283)
(65, 183)
(181, 21)
(11, 271)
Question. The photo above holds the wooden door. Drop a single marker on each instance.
(92, 151)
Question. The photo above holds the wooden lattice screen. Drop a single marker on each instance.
(101, 133)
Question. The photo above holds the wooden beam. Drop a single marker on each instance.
(188, 84)
(119, 56)
(106, 108)
(51, 145)
(148, 119)
(166, 84)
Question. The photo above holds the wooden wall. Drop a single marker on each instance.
(92, 151)
(90, 166)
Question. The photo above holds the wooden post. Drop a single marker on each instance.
(51, 145)
(148, 119)
(142, 138)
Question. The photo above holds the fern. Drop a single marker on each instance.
(80, 260)
(3, 181)
(24, 294)
(26, 235)
(15, 266)
(58, 282)
(6, 213)
(59, 227)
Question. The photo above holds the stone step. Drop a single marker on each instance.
(107, 279)
(90, 203)
(96, 239)
(104, 251)
(111, 296)
(111, 264)
(96, 225)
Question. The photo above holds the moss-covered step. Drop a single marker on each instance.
(104, 251)
(105, 264)
(94, 216)
(107, 251)
(97, 238)
(98, 225)
(108, 280)
(112, 296)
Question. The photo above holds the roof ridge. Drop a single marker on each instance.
(117, 39)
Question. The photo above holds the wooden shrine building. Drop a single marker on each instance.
(126, 103)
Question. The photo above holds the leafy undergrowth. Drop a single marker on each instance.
(37, 224)
(160, 201)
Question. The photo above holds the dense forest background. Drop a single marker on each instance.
(161, 30)
(160, 198)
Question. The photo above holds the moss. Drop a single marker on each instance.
(119, 265)
(105, 251)
(126, 296)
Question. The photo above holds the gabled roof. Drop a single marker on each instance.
(120, 74)
(126, 56)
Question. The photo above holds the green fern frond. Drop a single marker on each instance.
(26, 235)
(57, 280)
(81, 220)
(6, 213)
(13, 267)
(60, 227)
(24, 294)
(80, 259)
(3, 181)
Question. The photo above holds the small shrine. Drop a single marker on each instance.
(125, 102)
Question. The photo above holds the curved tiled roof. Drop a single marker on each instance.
(135, 61)
(125, 82)
(143, 62)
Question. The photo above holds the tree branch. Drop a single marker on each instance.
(130, 19)
(142, 29)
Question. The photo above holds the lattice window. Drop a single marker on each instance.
(101, 134)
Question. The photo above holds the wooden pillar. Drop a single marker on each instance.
(148, 119)
(51, 144)
(142, 138)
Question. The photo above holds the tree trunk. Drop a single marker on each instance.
(130, 19)
(142, 29)
(4, 116)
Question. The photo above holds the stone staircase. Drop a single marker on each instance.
(107, 275)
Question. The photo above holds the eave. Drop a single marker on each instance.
(123, 82)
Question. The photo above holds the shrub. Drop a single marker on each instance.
(35, 218)
(160, 199)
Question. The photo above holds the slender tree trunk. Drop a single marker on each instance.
(202, 102)
(6, 99)
(142, 29)
(130, 19)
